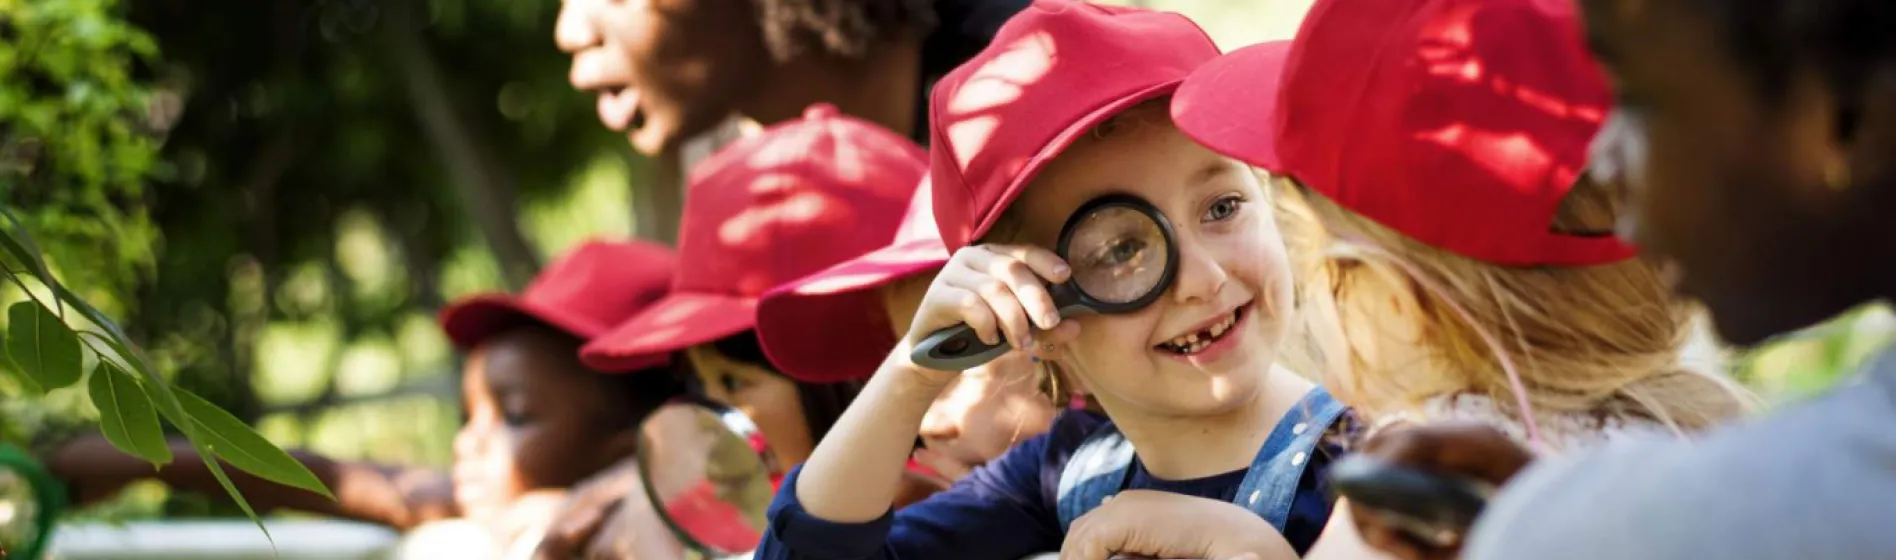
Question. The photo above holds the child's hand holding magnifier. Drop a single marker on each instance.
(995, 297)
(1114, 256)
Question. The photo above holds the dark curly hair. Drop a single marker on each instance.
(840, 27)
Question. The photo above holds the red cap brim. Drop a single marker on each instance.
(473, 320)
(1230, 104)
(801, 323)
(678, 321)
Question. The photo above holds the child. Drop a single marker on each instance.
(666, 73)
(800, 197)
(1754, 137)
(1459, 268)
(1449, 216)
(536, 419)
(982, 413)
(1068, 105)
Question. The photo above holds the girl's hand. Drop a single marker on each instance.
(1155, 524)
(1000, 291)
(1460, 448)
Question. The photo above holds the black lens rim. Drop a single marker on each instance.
(1142, 206)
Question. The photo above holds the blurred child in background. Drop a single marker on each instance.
(538, 421)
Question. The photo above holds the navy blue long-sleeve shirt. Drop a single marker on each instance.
(1005, 509)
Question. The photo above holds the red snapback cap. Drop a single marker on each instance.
(584, 293)
(1462, 124)
(1053, 72)
(798, 322)
(799, 197)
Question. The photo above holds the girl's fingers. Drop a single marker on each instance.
(1044, 263)
(977, 314)
(1029, 289)
(1008, 310)
(1005, 309)
(1027, 280)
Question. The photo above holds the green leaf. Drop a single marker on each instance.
(209, 454)
(244, 448)
(126, 415)
(43, 346)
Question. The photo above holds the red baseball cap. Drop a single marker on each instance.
(797, 322)
(1053, 72)
(765, 210)
(585, 293)
(1460, 123)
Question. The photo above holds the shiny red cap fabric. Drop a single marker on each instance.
(585, 293)
(1052, 73)
(797, 322)
(1462, 124)
(799, 197)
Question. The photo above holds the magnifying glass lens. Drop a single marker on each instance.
(1118, 254)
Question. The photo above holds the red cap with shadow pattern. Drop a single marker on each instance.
(797, 322)
(1053, 72)
(799, 197)
(1462, 124)
(584, 293)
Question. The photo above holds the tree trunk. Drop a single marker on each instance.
(488, 194)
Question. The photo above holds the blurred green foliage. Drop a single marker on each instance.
(252, 186)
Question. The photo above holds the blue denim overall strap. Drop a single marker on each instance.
(1100, 466)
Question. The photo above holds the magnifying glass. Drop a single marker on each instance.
(1435, 509)
(1122, 253)
(29, 500)
(706, 476)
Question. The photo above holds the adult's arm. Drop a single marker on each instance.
(1812, 481)
(399, 497)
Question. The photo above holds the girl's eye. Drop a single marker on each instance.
(1224, 208)
(515, 418)
(730, 383)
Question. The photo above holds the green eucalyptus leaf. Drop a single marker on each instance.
(209, 454)
(244, 448)
(42, 346)
(126, 414)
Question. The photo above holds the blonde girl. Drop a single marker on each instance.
(1205, 438)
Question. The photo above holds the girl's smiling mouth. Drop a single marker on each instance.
(1207, 335)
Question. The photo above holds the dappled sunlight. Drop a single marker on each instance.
(1514, 157)
(993, 85)
(1518, 97)
(751, 228)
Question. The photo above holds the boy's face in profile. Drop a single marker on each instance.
(664, 70)
(537, 419)
(1726, 179)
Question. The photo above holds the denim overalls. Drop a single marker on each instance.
(1100, 466)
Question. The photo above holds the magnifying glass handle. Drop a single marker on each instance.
(956, 348)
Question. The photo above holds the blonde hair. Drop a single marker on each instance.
(1602, 340)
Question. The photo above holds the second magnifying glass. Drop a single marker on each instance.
(1122, 253)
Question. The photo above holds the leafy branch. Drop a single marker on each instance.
(49, 354)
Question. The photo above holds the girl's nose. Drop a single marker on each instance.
(573, 31)
(1200, 275)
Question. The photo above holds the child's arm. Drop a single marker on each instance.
(398, 497)
(855, 472)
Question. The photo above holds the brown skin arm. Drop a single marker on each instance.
(397, 497)
(1464, 449)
